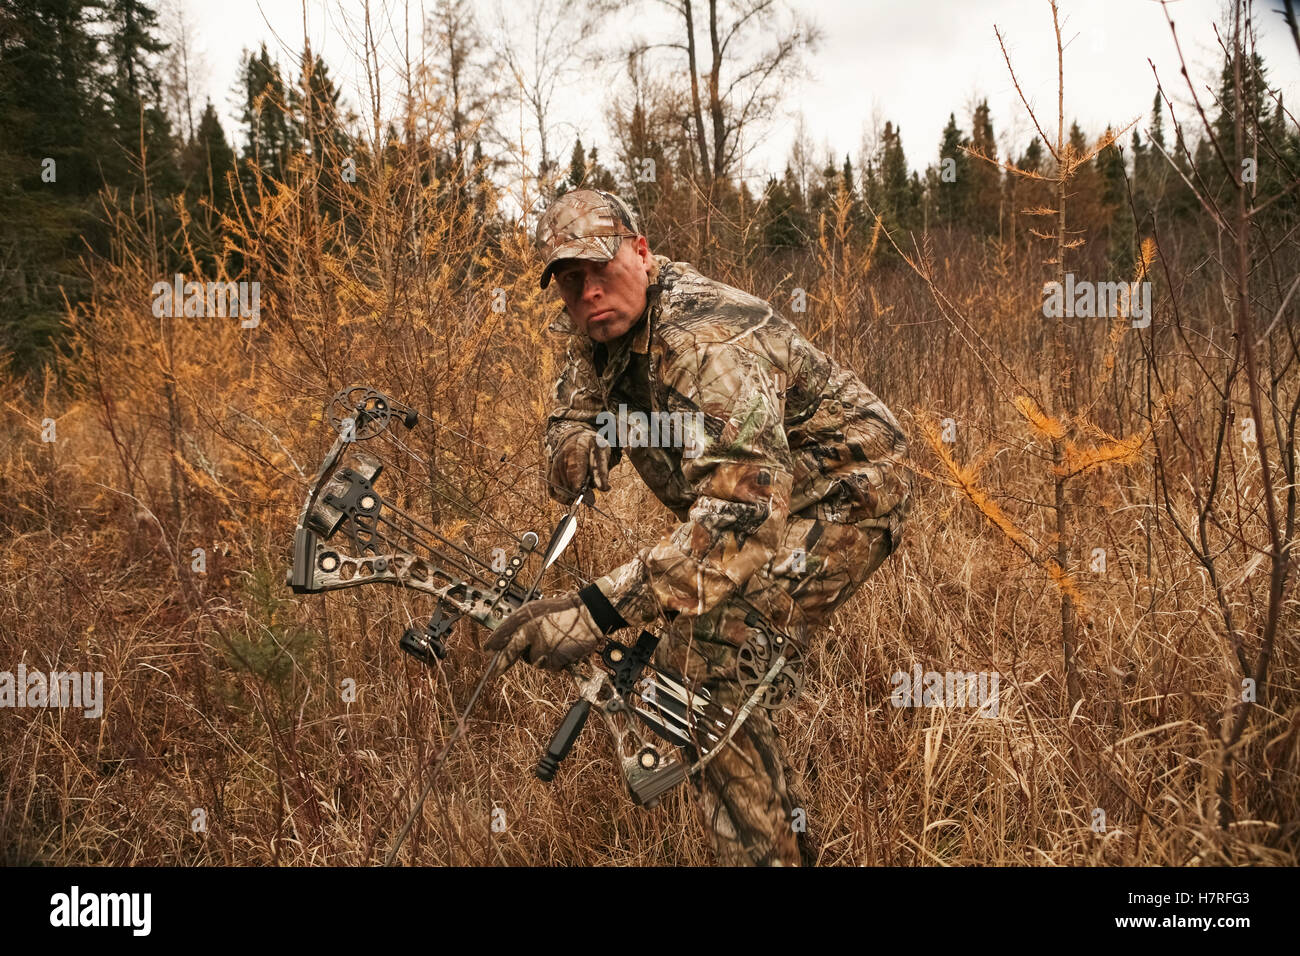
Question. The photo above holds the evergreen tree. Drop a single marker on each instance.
(850, 186)
(645, 160)
(898, 198)
(1028, 197)
(577, 170)
(136, 102)
(269, 133)
(1157, 122)
(461, 69)
(952, 197)
(53, 125)
(784, 220)
(1177, 195)
(212, 160)
(1151, 173)
(1118, 228)
(1265, 168)
(985, 177)
(317, 126)
(872, 191)
(1254, 84)
(315, 116)
(1284, 146)
(1032, 159)
(599, 177)
(821, 195)
(1140, 159)
(207, 163)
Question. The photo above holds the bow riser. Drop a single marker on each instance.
(312, 556)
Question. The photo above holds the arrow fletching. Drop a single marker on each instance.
(564, 532)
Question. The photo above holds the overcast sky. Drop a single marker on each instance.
(909, 61)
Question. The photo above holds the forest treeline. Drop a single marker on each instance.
(95, 104)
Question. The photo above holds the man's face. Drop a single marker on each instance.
(605, 299)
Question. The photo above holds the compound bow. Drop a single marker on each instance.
(349, 534)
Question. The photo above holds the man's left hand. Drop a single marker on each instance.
(551, 633)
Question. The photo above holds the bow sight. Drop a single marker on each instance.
(349, 534)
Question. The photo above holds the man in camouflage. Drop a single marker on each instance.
(790, 484)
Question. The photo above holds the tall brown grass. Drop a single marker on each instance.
(223, 690)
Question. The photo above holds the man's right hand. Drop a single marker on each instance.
(583, 455)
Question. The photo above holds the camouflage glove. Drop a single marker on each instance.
(554, 632)
(583, 454)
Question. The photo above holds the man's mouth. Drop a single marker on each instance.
(601, 316)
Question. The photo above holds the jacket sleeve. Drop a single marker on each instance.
(577, 400)
(738, 466)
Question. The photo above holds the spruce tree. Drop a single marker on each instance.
(1117, 223)
(577, 169)
(54, 125)
(269, 135)
(985, 177)
(784, 220)
(898, 198)
(952, 198)
(143, 132)
(208, 162)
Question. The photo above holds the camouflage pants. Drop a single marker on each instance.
(745, 794)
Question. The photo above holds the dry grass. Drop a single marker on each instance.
(223, 688)
(220, 687)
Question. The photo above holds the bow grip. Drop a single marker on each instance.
(563, 740)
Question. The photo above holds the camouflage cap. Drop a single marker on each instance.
(583, 224)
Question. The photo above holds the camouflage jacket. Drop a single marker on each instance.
(767, 426)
